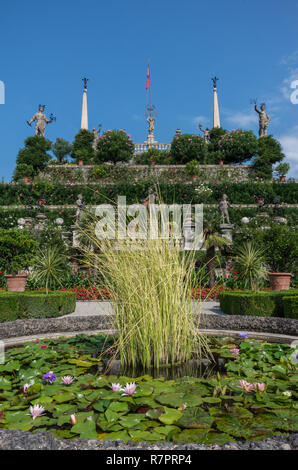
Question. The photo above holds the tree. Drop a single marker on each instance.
(114, 146)
(82, 148)
(269, 152)
(238, 146)
(34, 154)
(17, 249)
(188, 147)
(23, 170)
(61, 148)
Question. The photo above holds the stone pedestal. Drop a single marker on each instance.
(226, 231)
(75, 237)
(150, 140)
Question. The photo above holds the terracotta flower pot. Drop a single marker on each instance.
(16, 283)
(221, 162)
(81, 162)
(282, 178)
(25, 179)
(280, 281)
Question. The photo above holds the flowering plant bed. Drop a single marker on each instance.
(255, 398)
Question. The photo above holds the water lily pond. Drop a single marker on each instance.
(58, 386)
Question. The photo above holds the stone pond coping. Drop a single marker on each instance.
(19, 331)
(24, 440)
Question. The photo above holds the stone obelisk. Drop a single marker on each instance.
(216, 120)
(84, 119)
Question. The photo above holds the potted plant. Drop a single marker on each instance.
(281, 170)
(17, 248)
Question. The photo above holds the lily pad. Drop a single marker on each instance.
(170, 416)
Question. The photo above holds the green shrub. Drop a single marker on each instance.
(156, 156)
(259, 304)
(290, 306)
(188, 147)
(100, 171)
(34, 155)
(82, 148)
(17, 249)
(193, 168)
(20, 305)
(114, 146)
(238, 146)
(269, 152)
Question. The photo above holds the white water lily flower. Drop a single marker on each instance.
(36, 411)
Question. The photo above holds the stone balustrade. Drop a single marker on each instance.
(141, 148)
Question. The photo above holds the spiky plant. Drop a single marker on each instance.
(49, 266)
(250, 265)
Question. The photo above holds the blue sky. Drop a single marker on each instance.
(47, 47)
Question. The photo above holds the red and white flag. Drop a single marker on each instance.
(148, 77)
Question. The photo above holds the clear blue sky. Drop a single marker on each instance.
(47, 47)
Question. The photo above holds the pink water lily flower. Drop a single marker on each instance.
(116, 388)
(129, 389)
(25, 387)
(36, 411)
(235, 351)
(67, 379)
(246, 385)
(260, 386)
(73, 418)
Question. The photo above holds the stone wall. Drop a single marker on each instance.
(175, 173)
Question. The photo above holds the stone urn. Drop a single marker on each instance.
(280, 281)
(16, 282)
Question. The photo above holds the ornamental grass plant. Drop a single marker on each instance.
(151, 289)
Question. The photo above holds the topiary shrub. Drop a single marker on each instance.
(114, 146)
(290, 306)
(259, 304)
(20, 305)
(269, 152)
(34, 155)
(17, 249)
(238, 146)
(187, 147)
(82, 148)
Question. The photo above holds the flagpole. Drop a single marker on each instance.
(149, 83)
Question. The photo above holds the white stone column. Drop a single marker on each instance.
(84, 120)
(216, 120)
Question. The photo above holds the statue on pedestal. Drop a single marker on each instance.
(80, 207)
(151, 124)
(41, 121)
(223, 209)
(206, 133)
(264, 119)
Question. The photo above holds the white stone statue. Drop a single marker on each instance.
(206, 133)
(41, 121)
(151, 124)
(80, 207)
(264, 119)
(223, 209)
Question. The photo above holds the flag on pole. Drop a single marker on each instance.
(148, 78)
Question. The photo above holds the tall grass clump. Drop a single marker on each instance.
(151, 286)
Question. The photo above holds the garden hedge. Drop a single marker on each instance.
(180, 192)
(20, 305)
(290, 306)
(261, 303)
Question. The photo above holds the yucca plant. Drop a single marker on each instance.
(49, 266)
(250, 265)
(151, 288)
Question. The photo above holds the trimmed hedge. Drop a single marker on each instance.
(290, 305)
(261, 303)
(20, 305)
(59, 193)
